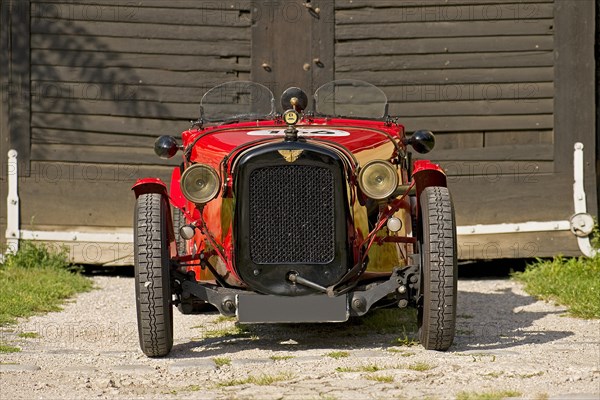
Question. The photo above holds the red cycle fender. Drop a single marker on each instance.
(425, 174)
(149, 185)
(155, 185)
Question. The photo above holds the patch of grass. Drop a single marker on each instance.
(401, 352)
(281, 358)
(380, 378)
(371, 368)
(222, 361)
(327, 397)
(29, 335)
(421, 367)
(6, 348)
(223, 318)
(189, 388)
(364, 368)
(338, 354)
(192, 388)
(259, 380)
(494, 374)
(478, 356)
(37, 280)
(390, 320)
(572, 282)
(493, 395)
(233, 331)
(531, 375)
(405, 341)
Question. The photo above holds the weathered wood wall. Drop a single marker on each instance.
(597, 59)
(483, 76)
(88, 85)
(106, 79)
(478, 73)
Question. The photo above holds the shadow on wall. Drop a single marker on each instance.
(93, 118)
(78, 82)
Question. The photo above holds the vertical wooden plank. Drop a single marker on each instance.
(281, 49)
(4, 76)
(4, 24)
(323, 34)
(261, 59)
(574, 97)
(597, 56)
(19, 105)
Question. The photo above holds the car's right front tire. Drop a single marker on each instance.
(152, 275)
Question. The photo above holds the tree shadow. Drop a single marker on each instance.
(500, 320)
(75, 75)
(378, 329)
(486, 322)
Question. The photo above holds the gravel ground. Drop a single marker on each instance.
(506, 340)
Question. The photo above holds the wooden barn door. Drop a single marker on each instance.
(500, 83)
(292, 44)
(506, 88)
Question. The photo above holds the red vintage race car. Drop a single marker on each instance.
(304, 215)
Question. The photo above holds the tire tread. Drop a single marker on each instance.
(440, 269)
(154, 309)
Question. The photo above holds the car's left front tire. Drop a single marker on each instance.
(439, 269)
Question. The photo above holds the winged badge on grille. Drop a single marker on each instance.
(290, 155)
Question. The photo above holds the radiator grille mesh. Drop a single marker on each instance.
(292, 215)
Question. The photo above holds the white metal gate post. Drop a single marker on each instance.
(13, 233)
(582, 223)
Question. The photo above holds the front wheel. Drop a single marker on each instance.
(152, 275)
(437, 312)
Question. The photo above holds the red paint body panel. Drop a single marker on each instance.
(219, 145)
(177, 198)
(215, 142)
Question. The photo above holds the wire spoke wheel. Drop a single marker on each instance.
(152, 275)
(437, 312)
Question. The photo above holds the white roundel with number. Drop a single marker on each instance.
(301, 132)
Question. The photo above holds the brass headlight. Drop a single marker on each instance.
(378, 179)
(200, 183)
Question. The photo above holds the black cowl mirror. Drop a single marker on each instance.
(422, 141)
(166, 146)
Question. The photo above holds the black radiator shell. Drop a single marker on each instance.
(271, 277)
